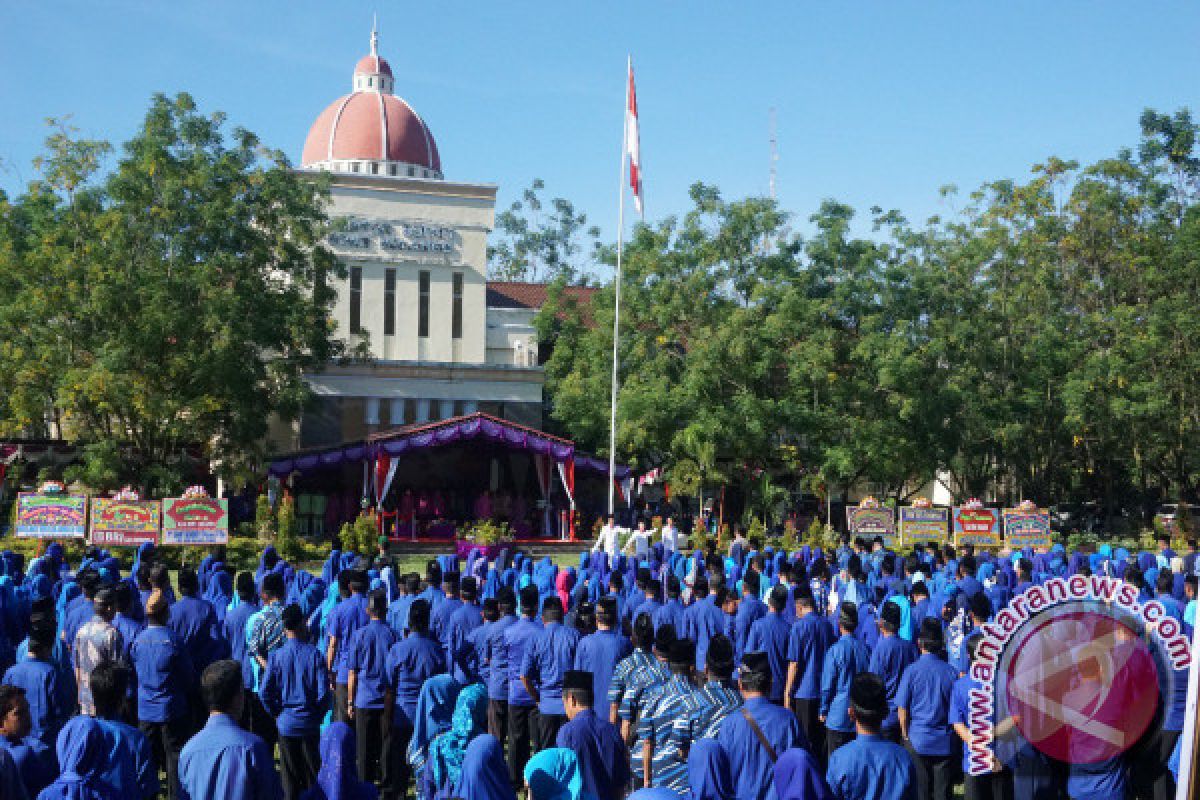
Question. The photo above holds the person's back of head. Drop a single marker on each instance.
(980, 607)
(848, 618)
(552, 610)
(188, 582)
(412, 582)
(805, 602)
(700, 588)
(343, 581)
(751, 584)
(106, 603)
(469, 590)
(42, 633)
(377, 604)
(778, 598)
(1165, 583)
(682, 659)
(674, 588)
(245, 587)
(643, 578)
(221, 687)
(654, 588)
(433, 573)
(160, 577)
(109, 682)
(451, 584)
(123, 597)
(157, 608)
(643, 632)
(490, 610)
(293, 621)
(616, 582)
(89, 583)
(418, 616)
(507, 600)
(606, 612)
(718, 660)
(142, 576)
(664, 640)
(273, 587)
(931, 638)
(919, 591)
(966, 566)
(868, 701)
(358, 582)
(889, 618)
(529, 601)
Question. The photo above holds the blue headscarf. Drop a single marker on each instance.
(220, 591)
(798, 777)
(338, 778)
(82, 758)
(553, 774)
(709, 775)
(484, 774)
(447, 751)
(435, 710)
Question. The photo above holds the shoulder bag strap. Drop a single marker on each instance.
(758, 732)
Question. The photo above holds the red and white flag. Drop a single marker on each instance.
(631, 143)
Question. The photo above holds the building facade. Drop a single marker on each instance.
(416, 294)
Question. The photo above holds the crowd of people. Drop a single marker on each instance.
(662, 675)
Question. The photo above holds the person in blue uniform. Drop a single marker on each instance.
(979, 611)
(130, 767)
(234, 629)
(439, 620)
(194, 622)
(709, 773)
(411, 662)
(891, 656)
(432, 593)
(347, 616)
(756, 736)
(493, 659)
(33, 760)
(770, 635)
(51, 701)
(295, 691)
(599, 652)
(869, 766)
(994, 785)
(923, 706)
(522, 709)
(460, 655)
(484, 772)
(845, 658)
(631, 669)
(547, 659)
(715, 700)
(809, 639)
(705, 618)
(222, 761)
(164, 677)
(671, 613)
(661, 752)
(603, 756)
(750, 610)
(370, 694)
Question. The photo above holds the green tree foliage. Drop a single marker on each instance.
(159, 313)
(1040, 341)
(536, 243)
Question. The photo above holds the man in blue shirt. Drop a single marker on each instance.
(521, 707)
(235, 633)
(469, 666)
(547, 659)
(599, 652)
(672, 612)
(496, 665)
(755, 736)
(994, 785)
(164, 677)
(923, 706)
(194, 622)
(431, 593)
(460, 655)
(652, 601)
(845, 658)
(750, 610)
(869, 765)
(809, 640)
(33, 760)
(130, 767)
(705, 618)
(891, 657)
(222, 761)
(347, 616)
(51, 701)
(603, 757)
(397, 616)
(295, 691)
(371, 697)
(410, 663)
(630, 669)
(663, 765)
(770, 635)
(715, 700)
(439, 621)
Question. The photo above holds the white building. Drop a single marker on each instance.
(415, 248)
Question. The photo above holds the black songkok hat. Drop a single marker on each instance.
(756, 662)
(890, 613)
(577, 679)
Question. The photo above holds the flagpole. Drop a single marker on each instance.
(612, 421)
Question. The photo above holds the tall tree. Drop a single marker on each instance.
(541, 244)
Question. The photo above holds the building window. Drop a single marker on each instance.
(389, 302)
(423, 304)
(456, 308)
(355, 300)
(374, 168)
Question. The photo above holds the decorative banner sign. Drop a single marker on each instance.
(977, 526)
(871, 522)
(196, 520)
(124, 523)
(51, 516)
(922, 525)
(1027, 528)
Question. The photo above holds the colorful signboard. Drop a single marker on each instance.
(977, 526)
(870, 522)
(124, 523)
(196, 520)
(51, 516)
(923, 525)
(1027, 528)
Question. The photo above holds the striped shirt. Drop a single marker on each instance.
(716, 702)
(669, 701)
(629, 671)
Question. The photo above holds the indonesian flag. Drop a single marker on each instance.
(631, 144)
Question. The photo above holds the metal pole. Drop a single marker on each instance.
(612, 422)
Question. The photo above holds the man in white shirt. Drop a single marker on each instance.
(607, 540)
(670, 536)
(639, 542)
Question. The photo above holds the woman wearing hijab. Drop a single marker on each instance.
(82, 756)
(338, 777)
(563, 585)
(553, 774)
(220, 591)
(709, 775)
(798, 777)
(444, 766)
(484, 773)
(435, 711)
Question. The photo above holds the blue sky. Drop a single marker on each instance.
(877, 103)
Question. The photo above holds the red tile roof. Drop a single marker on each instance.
(506, 294)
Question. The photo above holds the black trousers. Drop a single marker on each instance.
(373, 735)
(299, 761)
(935, 775)
(522, 727)
(808, 714)
(166, 740)
(1149, 778)
(547, 729)
(498, 721)
(341, 701)
(401, 773)
(992, 786)
(256, 719)
(835, 739)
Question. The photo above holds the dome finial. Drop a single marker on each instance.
(374, 34)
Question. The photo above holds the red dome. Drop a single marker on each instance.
(372, 65)
(371, 126)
